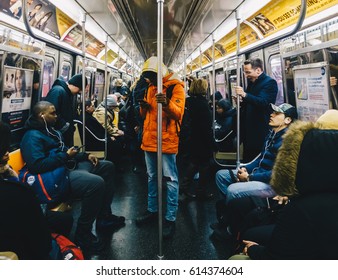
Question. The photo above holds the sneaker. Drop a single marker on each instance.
(168, 229)
(147, 218)
(110, 221)
(88, 242)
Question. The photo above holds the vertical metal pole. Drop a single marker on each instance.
(159, 121)
(105, 94)
(83, 21)
(238, 36)
(185, 70)
(214, 85)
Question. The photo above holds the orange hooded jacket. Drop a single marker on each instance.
(172, 114)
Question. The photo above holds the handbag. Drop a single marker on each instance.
(50, 187)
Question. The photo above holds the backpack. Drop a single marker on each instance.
(64, 249)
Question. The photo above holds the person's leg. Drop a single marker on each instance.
(105, 218)
(171, 174)
(252, 188)
(204, 171)
(189, 173)
(90, 189)
(151, 214)
(224, 179)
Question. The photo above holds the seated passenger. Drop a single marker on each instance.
(100, 112)
(58, 222)
(305, 171)
(114, 148)
(91, 181)
(224, 129)
(253, 179)
(24, 229)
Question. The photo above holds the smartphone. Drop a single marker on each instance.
(78, 148)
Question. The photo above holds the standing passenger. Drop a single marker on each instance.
(201, 147)
(61, 95)
(173, 109)
(261, 91)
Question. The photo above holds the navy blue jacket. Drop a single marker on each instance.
(37, 144)
(256, 111)
(261, 168)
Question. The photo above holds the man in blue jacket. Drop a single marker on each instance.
(91, 180)
(253, 179)
(255, 112)
(61, 95)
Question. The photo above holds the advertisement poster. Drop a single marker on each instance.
(16, 99)
(74, 38)
(312, 92)
(12, 8)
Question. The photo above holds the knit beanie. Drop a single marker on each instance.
(76, 80)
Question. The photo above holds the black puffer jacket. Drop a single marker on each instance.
(305, 170)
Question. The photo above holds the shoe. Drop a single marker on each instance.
(88, 242)
(168, 229)
(147, 218)
(110, 221)
(222, 234)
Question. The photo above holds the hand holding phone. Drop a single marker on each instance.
(78, 148)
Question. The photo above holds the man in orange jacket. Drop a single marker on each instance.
(173, 109)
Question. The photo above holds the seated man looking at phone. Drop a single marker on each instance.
(91, 180)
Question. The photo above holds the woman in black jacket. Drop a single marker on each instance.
(201, 147)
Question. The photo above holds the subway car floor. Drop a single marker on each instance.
(192, 239)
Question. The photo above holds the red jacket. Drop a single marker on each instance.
(172, 114)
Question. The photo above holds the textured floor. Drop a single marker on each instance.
(190, 242)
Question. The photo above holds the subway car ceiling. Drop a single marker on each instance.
(191, 27)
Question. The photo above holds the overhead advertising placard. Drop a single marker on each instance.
(311, 90)
(16, 99)
(74, 37)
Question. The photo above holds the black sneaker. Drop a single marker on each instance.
(88, 242)
(110, 221)
(168, 229)
(147, 218)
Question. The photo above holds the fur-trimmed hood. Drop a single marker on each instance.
(307, 160)
(285, 167)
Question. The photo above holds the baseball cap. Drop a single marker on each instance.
(287, 109)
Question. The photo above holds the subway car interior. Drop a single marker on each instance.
(109, 41)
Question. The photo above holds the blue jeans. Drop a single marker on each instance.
(231, 189)
(169, 172)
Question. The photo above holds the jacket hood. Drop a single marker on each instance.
(306, 161)
(172, 79)
(33, 123)
(62, 83)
